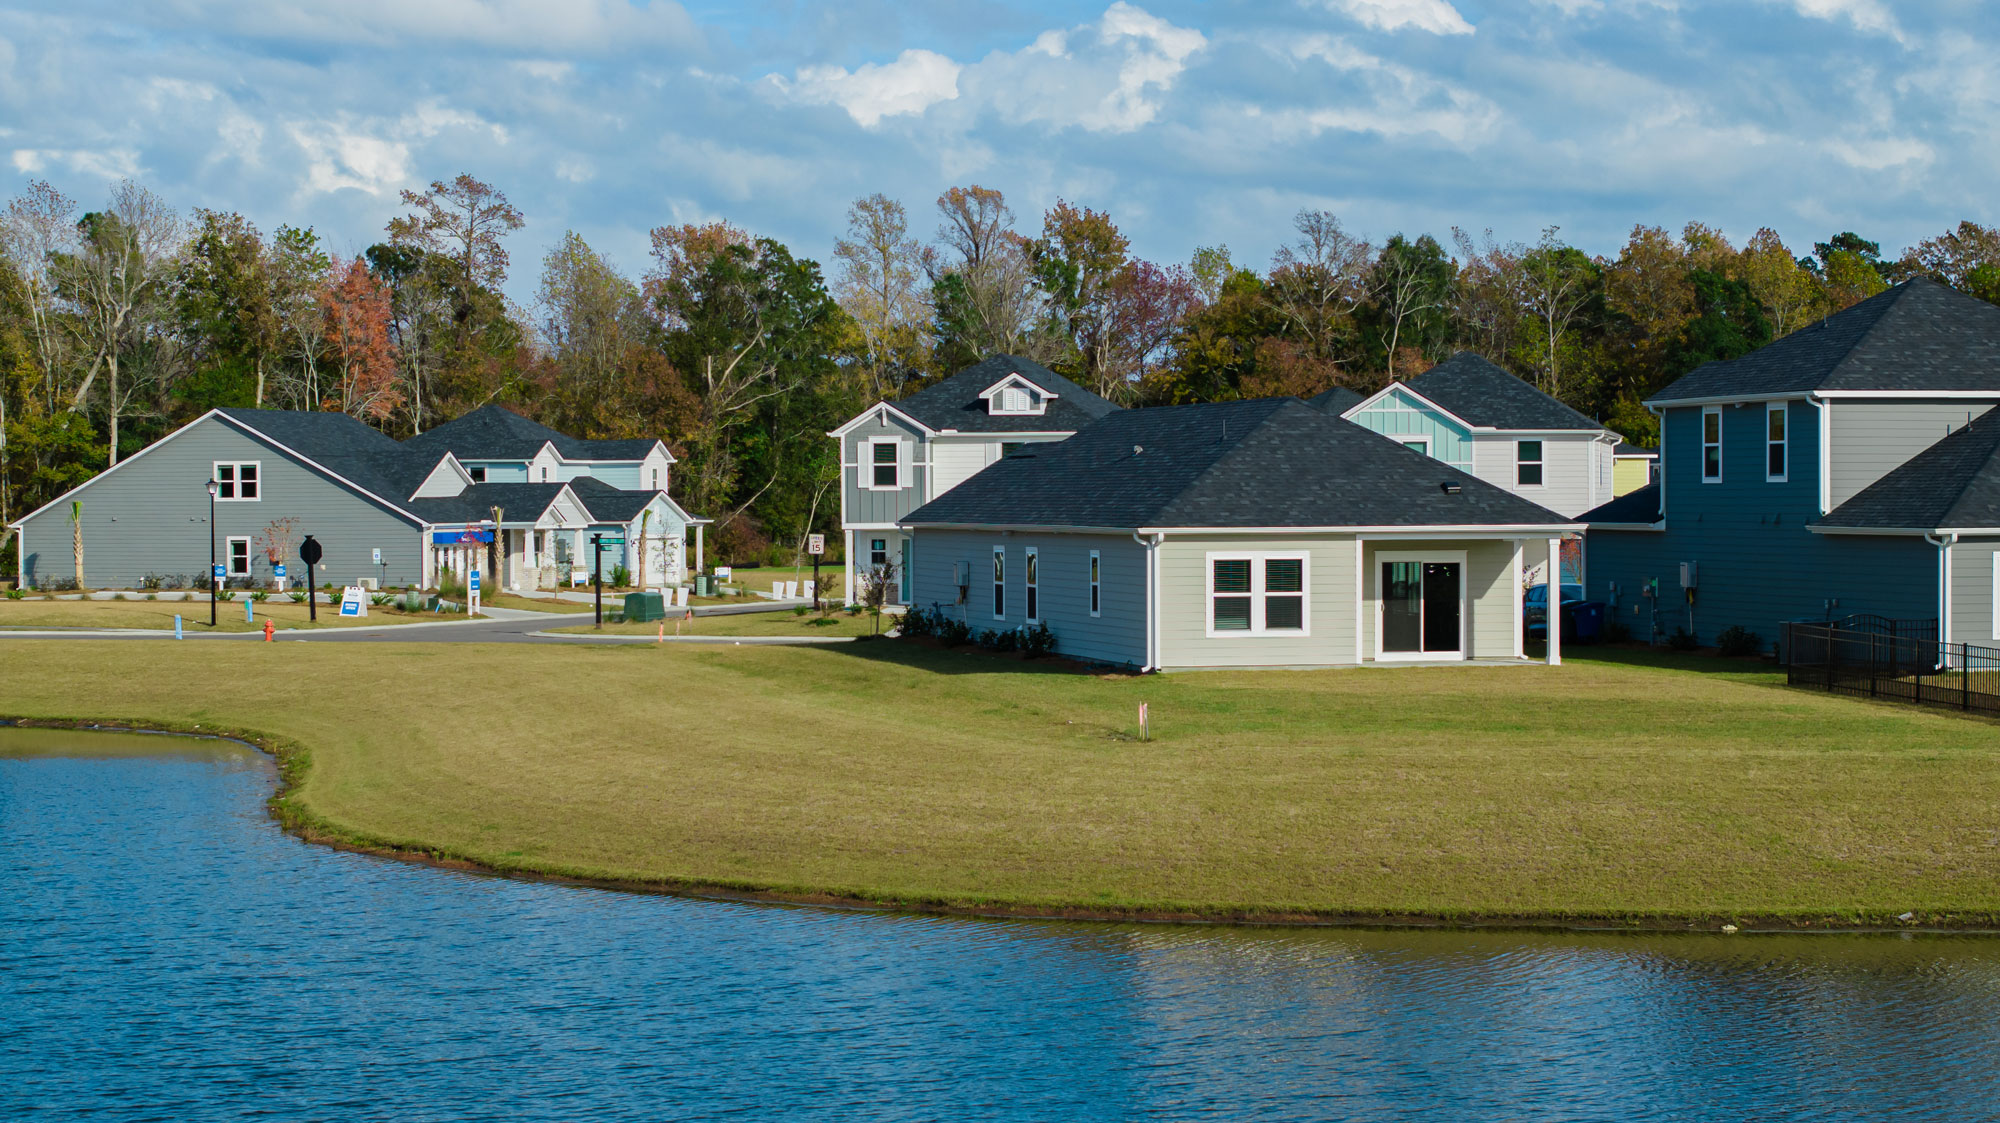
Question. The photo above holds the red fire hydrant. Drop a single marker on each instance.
(268, 629)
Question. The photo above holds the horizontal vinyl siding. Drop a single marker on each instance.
(862, 506)
(150, 516)
(1567, 464)
(1117, 635)
(1972, 564)
(1184, 605)
(1871, 439)
(1489, 592)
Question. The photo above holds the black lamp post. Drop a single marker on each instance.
(211, 553)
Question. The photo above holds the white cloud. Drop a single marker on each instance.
(1111, 77)
(1435, 16)
(1395, 101)
(913, 83)
(1868, 15)
(95, 163)
(373, 155)
(1881, 153)
(605, 26)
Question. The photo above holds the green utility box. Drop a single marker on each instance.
(412, 602)
(704, 585)
(645, 606)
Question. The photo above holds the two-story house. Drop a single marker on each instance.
(1490, 424)
(897, 456)
(1847, 468)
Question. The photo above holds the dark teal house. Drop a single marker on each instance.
(1799, 482)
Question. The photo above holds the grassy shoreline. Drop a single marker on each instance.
(1287, 798)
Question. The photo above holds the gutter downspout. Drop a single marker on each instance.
(1944, 543)
(1825, 411)
(1660, 415)
(1152, 546)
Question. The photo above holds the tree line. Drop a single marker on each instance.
(119, 324)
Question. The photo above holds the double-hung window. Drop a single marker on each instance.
(999, 582)
(878, 553)
(1033, 603)
(1528, 463)
(885, 464)
(1257, 594)
(1774, 442)
(1711, 445)
(238, 481)
(239, 557)
(1096, 585)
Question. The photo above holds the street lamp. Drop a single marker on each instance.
(211, 552)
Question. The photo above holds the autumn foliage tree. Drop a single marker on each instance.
(356, 310)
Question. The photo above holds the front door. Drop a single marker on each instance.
(1422, 608)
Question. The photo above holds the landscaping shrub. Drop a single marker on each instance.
(56, 584)
(260, 596)
(800, 610)
(1739, 640)
(298, 598)
(16, 593)
(1683, 640)
(226, 594)
(447, 587)
(916, 622)
(1039, 640)
(822, 622)
(1008, 640)
(380, 599)
(150, 581)
(953, 633)
(620, 576)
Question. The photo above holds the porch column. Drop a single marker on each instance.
(1554, 625)
(847, 555)
(698, 544)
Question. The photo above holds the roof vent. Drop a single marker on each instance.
(1449, 488)
(1136, 450)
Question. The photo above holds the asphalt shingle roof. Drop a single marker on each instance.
(609, 504)
(1919, 335)
(1641, 506)
(494, 432)
(1274, 462)
(518, 502)
(1952, 485)
(1337, 400)
(343, 445)
(955, 403)
(1486, 395)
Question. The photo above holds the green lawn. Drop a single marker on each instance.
(782, 622)
(144, 614)
(1603, 788)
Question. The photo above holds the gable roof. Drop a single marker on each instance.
(345, 446)
(1270, 462)
(1640, 506)
(494, 432)
(609, 504)
(1337, 400)
(956, 404)
(1919, 335)
(1482, 394)
(1952, 485)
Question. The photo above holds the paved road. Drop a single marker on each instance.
(500, 625)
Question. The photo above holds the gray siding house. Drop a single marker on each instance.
(1260, 533)
(382, 511)
(1795, 483)
(897, 456)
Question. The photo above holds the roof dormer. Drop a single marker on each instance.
(1015, 396)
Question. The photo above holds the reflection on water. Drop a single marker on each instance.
(166, 952)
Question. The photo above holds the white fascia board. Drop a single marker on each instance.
(1491, 431)
(871, 411)
(1642, 454)
(1657, 404)
(1658, 527)
(1021, 378)
(1871, 531)
(951, 436)
(1907, 395)
(1411, 391)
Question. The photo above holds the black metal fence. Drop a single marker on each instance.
(1869, 657)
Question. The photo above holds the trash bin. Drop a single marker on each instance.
(1584, 621)
(704, 585)
(640, 607)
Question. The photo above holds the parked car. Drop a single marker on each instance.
(1535, 605)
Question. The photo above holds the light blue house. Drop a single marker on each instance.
(1844, 469)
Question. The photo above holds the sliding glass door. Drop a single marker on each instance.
(1422, 608)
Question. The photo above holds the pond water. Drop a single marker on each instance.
(167, 953)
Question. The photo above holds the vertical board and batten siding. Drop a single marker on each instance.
(501, 471)
(1871, 439)
(150, 516)
(1758, 565)
(862, 506)
(1567, 465)
(1399, 415)
(1489, 592)
(1972, 566)
(1116, 636)
(1184, 639)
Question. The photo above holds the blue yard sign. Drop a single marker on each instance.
(278, 570)
(475, 580)
(220, 572)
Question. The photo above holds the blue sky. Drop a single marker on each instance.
(1192, 123)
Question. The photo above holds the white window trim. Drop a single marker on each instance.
(1541, 462)
(236, 481)
(1000, 582)
(1706, 413)
(1784, 442)
(229, 555)
(1257, 593)
(1407, 439)
(1464, 603)
(1996, 593)
(866, 469)
(1096, 575)
(1031, 585)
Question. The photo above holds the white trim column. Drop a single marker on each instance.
(1520, 624)
(1554, 624)
(848, 555)
(698, 547)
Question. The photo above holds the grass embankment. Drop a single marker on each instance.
(902, 775)
(159, 615)
(780, 622)
(531, 604)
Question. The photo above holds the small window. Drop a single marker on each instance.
(237, 482)
(882, 459)
(1416, 444)
(1097, 586)
(1033, 602)
(239, 557)
(545, 473)
(1774, 442)
(478, 473)
(1711, 445)
(1014, 400)
(1528, 463)
(653, 474)
(999, 583)
(878, 553)
(1257, 593)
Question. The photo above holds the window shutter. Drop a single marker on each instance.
(903, 472)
